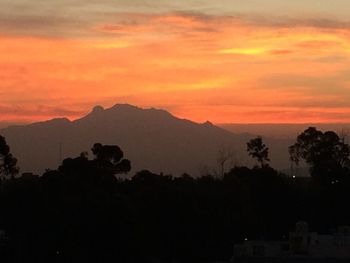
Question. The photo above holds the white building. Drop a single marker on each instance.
(302, 244)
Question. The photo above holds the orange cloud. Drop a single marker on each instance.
(200, 67)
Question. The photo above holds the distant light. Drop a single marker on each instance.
(57, 252)
(294, 176)
(246, 239)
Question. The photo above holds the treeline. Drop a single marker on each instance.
(82, 212)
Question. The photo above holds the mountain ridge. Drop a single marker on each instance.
(151, 138)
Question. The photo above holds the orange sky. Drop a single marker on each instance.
(222, 68)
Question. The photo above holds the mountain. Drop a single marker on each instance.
(151, 138)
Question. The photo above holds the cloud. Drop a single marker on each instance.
(243, 51)
(296, 21)
(243, 114)
(327, 91)
(157, 24)
(27, 112)
(40, 25)
(79, 18)
(314, 85)
(209, 22)
(322, 23)
(236, 35)
(218, 67)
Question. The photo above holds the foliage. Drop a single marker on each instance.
(258, 150)
(7, 161)
(325, 152)
(82, 212)
(72, 216)
(108, 161)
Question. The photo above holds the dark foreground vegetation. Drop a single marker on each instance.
(82, 212)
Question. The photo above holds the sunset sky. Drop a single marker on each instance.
(227, 61)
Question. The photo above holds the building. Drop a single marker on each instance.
(302, 246)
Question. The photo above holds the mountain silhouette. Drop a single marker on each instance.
(152, 139)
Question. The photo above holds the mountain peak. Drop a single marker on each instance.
(208, 123)
(97, 109)
(125, 106)
(124, 111)
(128, 108)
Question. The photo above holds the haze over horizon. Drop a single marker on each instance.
(226, 61)
(272, 130)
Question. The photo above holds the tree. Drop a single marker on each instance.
(7, 161)
(326, 153)
(224, 155)
(108, 161)
(258, 150)
(111, 154)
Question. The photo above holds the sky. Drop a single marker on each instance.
(226, 61)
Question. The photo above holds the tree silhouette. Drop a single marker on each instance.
(259, 151)
(111, 155)
(7, 161)
(224, 155)
(108, 160)
(326, 153)
(81, 212)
